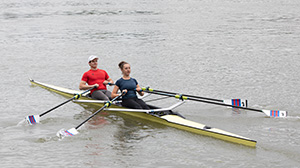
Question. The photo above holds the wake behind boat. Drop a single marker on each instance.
(163, 116)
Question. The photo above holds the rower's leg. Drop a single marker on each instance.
(131, 103)
(99, 95)
(142, 104)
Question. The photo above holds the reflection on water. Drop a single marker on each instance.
(129, 131)
(128, 135)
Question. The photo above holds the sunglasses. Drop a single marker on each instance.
(93, 61)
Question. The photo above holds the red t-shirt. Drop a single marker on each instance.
(98, 76)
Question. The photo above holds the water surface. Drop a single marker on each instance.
(219, 49)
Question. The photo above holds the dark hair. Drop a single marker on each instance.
(121, 64)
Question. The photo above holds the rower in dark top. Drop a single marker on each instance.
(130, 86)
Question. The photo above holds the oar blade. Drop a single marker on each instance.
(33, 119)
(275, 113)
(236, 102)
(65, 133)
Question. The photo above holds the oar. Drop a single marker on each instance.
(73, 131)
(33, 119)
(270, 113)
(234, 102)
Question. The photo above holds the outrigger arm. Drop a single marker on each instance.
(147, 111)
(132, 110)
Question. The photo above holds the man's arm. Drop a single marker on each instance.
(83, 85)
(109, 80)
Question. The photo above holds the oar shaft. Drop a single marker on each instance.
(222, 104)
(90, 117)
(75, 97)
(199, 97)
(56, 107)
(199, 100)
(105, 105)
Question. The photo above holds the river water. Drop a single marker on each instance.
(218, 48)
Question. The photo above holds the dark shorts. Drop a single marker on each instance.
(134, 103)
(101, 95)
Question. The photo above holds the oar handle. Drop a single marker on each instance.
(76, 96)
(132, 90)
(107, 104)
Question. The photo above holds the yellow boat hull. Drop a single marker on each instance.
(168, 120)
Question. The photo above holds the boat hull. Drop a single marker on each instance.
(171, 120)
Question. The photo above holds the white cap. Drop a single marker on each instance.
(92, 57)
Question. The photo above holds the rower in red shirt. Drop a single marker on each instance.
(96, 77)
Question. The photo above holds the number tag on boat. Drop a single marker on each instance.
(236, 102)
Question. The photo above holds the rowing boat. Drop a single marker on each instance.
(163, 116)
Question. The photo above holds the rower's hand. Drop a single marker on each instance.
(124, 92)
(106, 82)
(139, 89)
(96, 85)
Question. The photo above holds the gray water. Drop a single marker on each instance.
(220, 48)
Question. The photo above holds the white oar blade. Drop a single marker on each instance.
(33, 119)
(64, 133)
(275, 113)
(236, 102)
